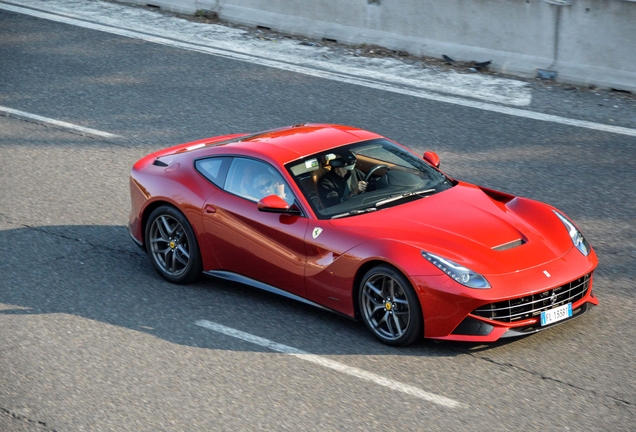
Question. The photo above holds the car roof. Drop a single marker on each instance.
(289, 143)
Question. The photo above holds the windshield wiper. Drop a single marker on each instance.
(354, 212)
(405, 195)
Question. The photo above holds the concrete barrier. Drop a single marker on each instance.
(582, 42)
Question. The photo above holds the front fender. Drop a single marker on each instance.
(331, 280)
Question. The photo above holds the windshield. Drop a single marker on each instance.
(363, 177)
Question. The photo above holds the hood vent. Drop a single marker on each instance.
(509, 245)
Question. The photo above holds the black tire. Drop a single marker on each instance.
(172, 246)
(389, 307)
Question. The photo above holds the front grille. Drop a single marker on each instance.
(530, 306)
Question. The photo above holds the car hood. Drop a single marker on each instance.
(483, 232)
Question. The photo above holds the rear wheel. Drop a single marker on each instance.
(172, 246)
(389, 306)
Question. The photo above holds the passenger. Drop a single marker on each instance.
(343, 181)
(266, 184)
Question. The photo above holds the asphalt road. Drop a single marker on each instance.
(91, 338)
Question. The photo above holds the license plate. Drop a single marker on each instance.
(556, 314)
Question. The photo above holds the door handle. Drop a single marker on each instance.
(209, 208)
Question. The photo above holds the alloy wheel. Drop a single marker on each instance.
(389, 307)
(169, 245)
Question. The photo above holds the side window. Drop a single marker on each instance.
(254, 180)
(214, 169)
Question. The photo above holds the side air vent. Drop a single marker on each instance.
(509, 245)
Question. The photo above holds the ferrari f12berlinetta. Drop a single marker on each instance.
(348, 220)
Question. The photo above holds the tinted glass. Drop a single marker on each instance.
(214, 169)
(391, 175)
(254, 180)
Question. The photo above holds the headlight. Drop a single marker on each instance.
(577, 238)
(460, 274)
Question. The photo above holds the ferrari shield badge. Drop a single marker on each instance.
(316, 232)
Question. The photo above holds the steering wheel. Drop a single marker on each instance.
(374, 169)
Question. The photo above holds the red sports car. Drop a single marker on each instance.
(350, 221)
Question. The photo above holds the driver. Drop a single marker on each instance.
(343, 181)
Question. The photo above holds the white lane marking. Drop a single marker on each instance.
(57, 123)
(368, 82)
(290, 52)
(331, 364)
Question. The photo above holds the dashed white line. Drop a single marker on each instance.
(57, 123)
(331, 364)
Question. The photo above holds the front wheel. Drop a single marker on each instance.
(172, 246)
(389, 306)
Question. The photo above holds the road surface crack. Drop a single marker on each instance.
(558, 381)
(44, 230)
(25, 419)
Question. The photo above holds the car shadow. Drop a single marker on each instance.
(98, 273)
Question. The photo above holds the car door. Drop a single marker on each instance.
(265, 247)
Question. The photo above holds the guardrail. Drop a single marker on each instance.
(582, 42)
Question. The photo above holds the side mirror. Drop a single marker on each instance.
(275, 204)
(432, 158)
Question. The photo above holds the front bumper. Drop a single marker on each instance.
(474, 328)
(512, 307)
